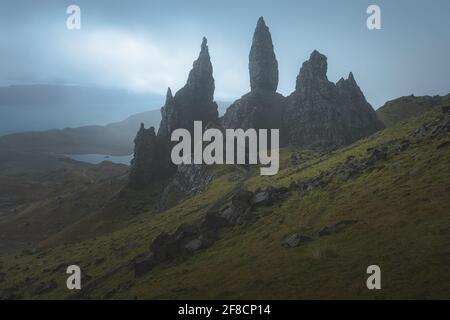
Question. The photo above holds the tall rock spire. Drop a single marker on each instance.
(263, 65)
(169, 96)
(193, 102)
(145, 166)
(200, 80)
(262, 107)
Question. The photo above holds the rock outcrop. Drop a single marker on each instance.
(318, 114)
(148, 159)
(324, 115)
(187, 181)
(202, 233)
(193, 102)
(263, 64)
(262, 107)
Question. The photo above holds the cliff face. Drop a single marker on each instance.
(263, 64)
(147, 162)
(262, 107)
(193, 102)
(318, 114)
(324, 115)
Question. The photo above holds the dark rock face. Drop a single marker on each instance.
(323, 115)
(313, 75)
(375, 156)
(257, 110)
(168, 117)
(295, 240)
(262, 108)
(318, 114)
(361, 119)
(148, 160)
(188, 180)
(193, 102)
(263, 65)
(202, 233)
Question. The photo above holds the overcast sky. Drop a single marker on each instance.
(149, 45)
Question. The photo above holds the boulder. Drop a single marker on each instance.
(241, 200)
(194, 245)
(375, 155)
(295, 240)
(148, 162)
(144, 264)
(263, 198)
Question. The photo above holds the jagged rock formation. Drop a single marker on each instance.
(193, 102)
(318, 114)
(263, 65)
(188, 180)
(148, 160)
(262, 107)
(324, 115)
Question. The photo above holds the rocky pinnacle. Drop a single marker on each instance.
(169, 96)
(263, 65)
(313, 72)
(200, 80)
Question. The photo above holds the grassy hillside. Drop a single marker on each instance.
(403, 108)
(394, 185)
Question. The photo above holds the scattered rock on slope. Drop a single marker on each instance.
(295, 240)
(201, 234)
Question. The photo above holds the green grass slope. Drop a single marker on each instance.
(400, 203)
(404, 108)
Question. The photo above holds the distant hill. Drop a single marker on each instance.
(111, 139)
(44, 107)
(115, 138)
(403, 108)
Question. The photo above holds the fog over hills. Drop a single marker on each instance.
(75, 120)
(44, 107)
